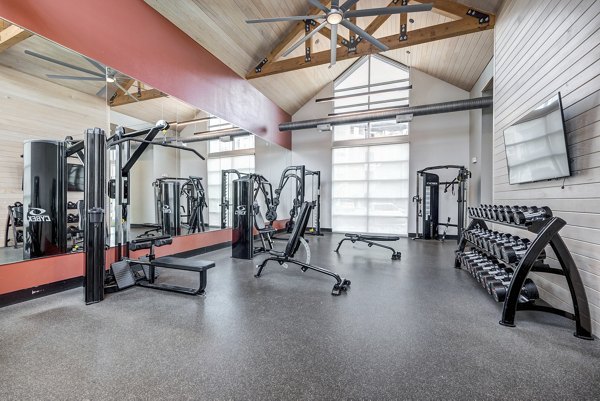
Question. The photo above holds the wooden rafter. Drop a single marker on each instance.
(125, 85)
(11, 36)
(296, 29)
(462, 24)
(144, 95)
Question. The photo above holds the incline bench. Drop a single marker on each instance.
(292, 246)
(370, 240)
(151, 262)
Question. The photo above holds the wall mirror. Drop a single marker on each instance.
(48, 95)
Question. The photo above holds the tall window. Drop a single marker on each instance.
(370, 160)
(236, 154)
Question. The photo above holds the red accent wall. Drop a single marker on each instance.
(133, 38)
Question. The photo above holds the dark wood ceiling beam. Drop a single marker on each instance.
(145, 95)
(424, 35)
(291, 35)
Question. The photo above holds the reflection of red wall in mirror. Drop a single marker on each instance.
(132, 37)
(37, 272)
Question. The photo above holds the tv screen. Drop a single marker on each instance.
(536, 147)
(75, 177)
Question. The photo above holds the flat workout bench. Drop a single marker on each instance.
(370, 240)
(168, 262)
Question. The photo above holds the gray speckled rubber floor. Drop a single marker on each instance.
(415, 329)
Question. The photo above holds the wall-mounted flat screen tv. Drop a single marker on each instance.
(536, 146)
(75, 177)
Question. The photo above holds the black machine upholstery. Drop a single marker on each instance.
(291, 248)
(372, 240)
(151, 262)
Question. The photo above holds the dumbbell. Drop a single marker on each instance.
(528, 292)
(481, 271)
(489, 281)
(499, 274)
(501, 239)
(463, 255)
(509, 214)
(471, 260)
(515, 240)
(484, 269)
(502, 212)
(465, 258)
(72, 218)
(71, 205)
(515, 254)
(533, 214)
(473, 266)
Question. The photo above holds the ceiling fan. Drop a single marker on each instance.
(103, 73)
(339, 15)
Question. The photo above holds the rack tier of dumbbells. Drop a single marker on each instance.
(501, 261)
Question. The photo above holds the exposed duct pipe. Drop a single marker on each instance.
(206, 137)
(390, 114)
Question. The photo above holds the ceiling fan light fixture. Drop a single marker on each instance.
(110, 79)
(334, 17)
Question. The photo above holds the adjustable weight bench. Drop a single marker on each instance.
(292, 246)
(151, 262)
(370, 240)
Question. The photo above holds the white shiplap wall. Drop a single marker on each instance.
(542, 47)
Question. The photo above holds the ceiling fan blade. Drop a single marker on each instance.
(333, 45)
(73, 78)
(96, 64)
(55, 61)
(364, 35)
(293, 18)
(102, 92)
(370, 12)
(346, 6)
(305, 38)
(317, 3)
(335, 3)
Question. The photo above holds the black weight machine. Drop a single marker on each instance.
(427, 201)
(299, 174)
(260, 185)
(123, 272)
(171, 215)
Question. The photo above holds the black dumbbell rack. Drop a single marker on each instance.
(547, 231)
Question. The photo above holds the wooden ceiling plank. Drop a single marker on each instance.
(379, 21)
(11, 36)
(418, 36)
(145, 95)
(450, 9)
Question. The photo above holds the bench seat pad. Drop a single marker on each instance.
(190, 264)
(370, 237)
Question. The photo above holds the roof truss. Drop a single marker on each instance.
(465, 20)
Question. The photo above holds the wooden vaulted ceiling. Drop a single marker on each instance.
(219, 26)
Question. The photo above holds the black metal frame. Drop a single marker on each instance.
(547, 234)
(370, 241)
(287, 256)
(14, 221)
(460, 180)
(94, 230)
(260, 185)
(152, 263)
